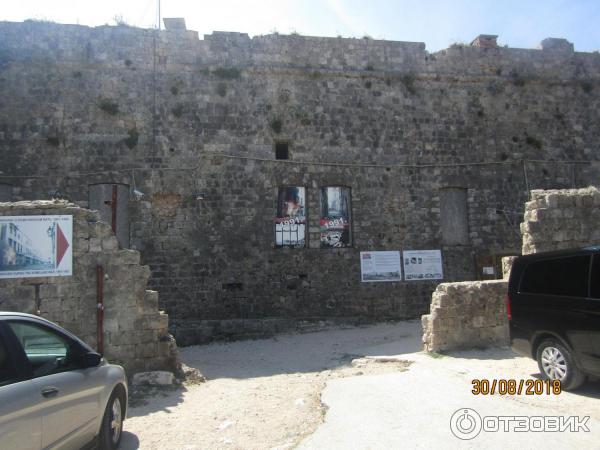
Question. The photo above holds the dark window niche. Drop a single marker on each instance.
(282, 150)
(232, 286)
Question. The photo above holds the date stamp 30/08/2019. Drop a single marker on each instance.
(515, 387)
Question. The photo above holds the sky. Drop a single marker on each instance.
(438, 23)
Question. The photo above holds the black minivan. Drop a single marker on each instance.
(554, 312)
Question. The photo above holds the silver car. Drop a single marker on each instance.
(55, 391)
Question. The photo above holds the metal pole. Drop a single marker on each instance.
(113, 208)
(526, 180)
(100, 308)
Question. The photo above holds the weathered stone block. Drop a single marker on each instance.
(155, 378)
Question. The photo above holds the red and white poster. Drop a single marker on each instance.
(335, 217)
(36, 246)
(290, 222)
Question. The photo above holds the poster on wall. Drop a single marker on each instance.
(422, 265)
(290, 222)
(335, 217)
(380, 266)
(36, 246)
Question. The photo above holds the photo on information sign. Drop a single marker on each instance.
(35, 246)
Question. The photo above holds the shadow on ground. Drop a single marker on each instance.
(589, 389)
(148, 399)
(129, 441)
(488, 353)
(302, 353)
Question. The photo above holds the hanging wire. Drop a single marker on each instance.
(152, 167)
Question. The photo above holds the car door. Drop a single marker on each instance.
(553, 297)
(69, 396)
(20, 421)
(550, 288)
(592, 318)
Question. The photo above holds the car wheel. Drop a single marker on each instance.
(557, 363)
(112, 422)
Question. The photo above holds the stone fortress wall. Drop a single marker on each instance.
(439, 151)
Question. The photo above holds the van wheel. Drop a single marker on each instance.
(112, 422)
(557, 363)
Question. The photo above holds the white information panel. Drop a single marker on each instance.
(380, 266)
(36, 246)
(422, 265)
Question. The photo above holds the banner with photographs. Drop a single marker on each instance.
(290, 223)
(380, 266)
(335, 217)
(422, 265)
(36, 246)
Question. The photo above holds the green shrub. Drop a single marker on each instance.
(230, 73)
(177, 111)
(108, 106)
(408, 80)
(276, 125)
(53, 141)
(536, 143)
(587, 86)
(132, 139)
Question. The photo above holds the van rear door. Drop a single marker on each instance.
(591, 312)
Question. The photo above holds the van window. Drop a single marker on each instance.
(560, 276)
(595, 280)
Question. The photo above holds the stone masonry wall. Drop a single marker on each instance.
(561, 219)
(192, 123)
(466, 315)
(135, 331)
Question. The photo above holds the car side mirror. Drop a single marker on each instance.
(91, 359)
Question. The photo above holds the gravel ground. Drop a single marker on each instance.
(262, 394)
(357, 388)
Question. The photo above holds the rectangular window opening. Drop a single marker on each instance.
(282, 150)
(232, 286)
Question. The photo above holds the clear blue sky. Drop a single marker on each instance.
(437, 23)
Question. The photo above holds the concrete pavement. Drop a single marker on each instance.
(413, 409)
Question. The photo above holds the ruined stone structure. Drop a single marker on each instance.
(560, 219)
(467, 314)
(473, 314)
(434, 150)
(134, 331)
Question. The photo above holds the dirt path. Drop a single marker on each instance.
(262, 394)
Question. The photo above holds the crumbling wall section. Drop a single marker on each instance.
(135, 331)
(561, 218)
(466, 315)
